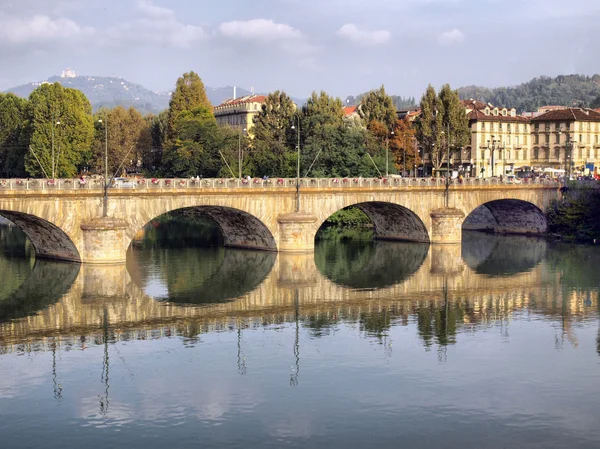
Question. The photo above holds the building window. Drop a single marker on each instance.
(536, 153)
(524, 155)
(547, 138)
(508, 139)
(517, 141)
(557, 126)
(557, 138)
(596, 139)
(536, 139)
(581, 138)
(557, 154)
(536, 126)
(500, 127)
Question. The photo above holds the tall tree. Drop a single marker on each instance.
(194, 151)
(13, 142)
(125, 139)
(273, 149)
(60, 129)
(189, 94)
(158, 131)
(403, 146)
(429, 127)
(454, 121)
(379, 106)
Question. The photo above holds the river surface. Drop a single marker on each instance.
(491, 344)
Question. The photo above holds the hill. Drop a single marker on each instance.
(111, 91)
(565, 90)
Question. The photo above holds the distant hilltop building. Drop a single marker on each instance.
(68, 73)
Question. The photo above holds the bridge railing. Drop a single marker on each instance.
(258, 183)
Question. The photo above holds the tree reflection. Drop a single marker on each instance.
(368, 265)
(501, 255)
(46, 284)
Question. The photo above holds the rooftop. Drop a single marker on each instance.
(243, 100)
(569, 114)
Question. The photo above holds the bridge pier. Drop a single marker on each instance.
(446, 225)
(105, 241)
(296, 232)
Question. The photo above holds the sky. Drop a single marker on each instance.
(344, 47)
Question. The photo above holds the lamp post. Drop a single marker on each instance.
(240, 158)
(105, 198)
(387, 149)
(298, 166)
(492, 148)
(54, 123)
(447, 190)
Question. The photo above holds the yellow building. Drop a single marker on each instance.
(239, 112)
(500, 140)
(567, 139)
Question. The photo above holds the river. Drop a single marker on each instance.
(494, 343)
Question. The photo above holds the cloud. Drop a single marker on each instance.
(150, 9)
(452, 37)
(158, 25)
(39, 28)
(353, 34)
(260, 29)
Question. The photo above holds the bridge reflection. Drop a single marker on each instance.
(441, 288)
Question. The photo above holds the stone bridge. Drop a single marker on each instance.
(64, 219)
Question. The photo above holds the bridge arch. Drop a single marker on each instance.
(48, 239)
(391, 221)
(508, 216)
(239, 228)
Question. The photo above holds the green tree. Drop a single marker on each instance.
(158, 125)
(194, 151)
(59, 123)
(126, 138)
(376, 105)
(454, 120)
(189, 95)
(440, 113)
(273, 149)
(13, 142)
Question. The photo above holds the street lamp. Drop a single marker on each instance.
(298, 167)
(105, 199)
(447, 191)
(387, 148)
(53, 163)
(495, 145)
(240, 157)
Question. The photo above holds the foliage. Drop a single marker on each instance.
(195, 147)
(189, 95)
(348, 217)
(577, 215)
(59, 123)
(403, 146)
(127, 138)
(158, 125)
(443, 126)
(273, 149)
(13, 144)
(376, 105)
(567, 90)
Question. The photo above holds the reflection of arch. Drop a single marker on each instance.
(49, 240)
(394, 222)
(495, 255)
(199, 276)
(507, 216)
(369, 266)
(239, 228)
(46, 284)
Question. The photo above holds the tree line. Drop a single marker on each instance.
(54, 134)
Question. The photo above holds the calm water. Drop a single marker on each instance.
(493, 344)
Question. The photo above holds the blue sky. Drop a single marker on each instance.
(341, 46)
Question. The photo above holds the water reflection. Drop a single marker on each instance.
(46, 284)
(439, 336)
(369, 265)
(497, 255)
